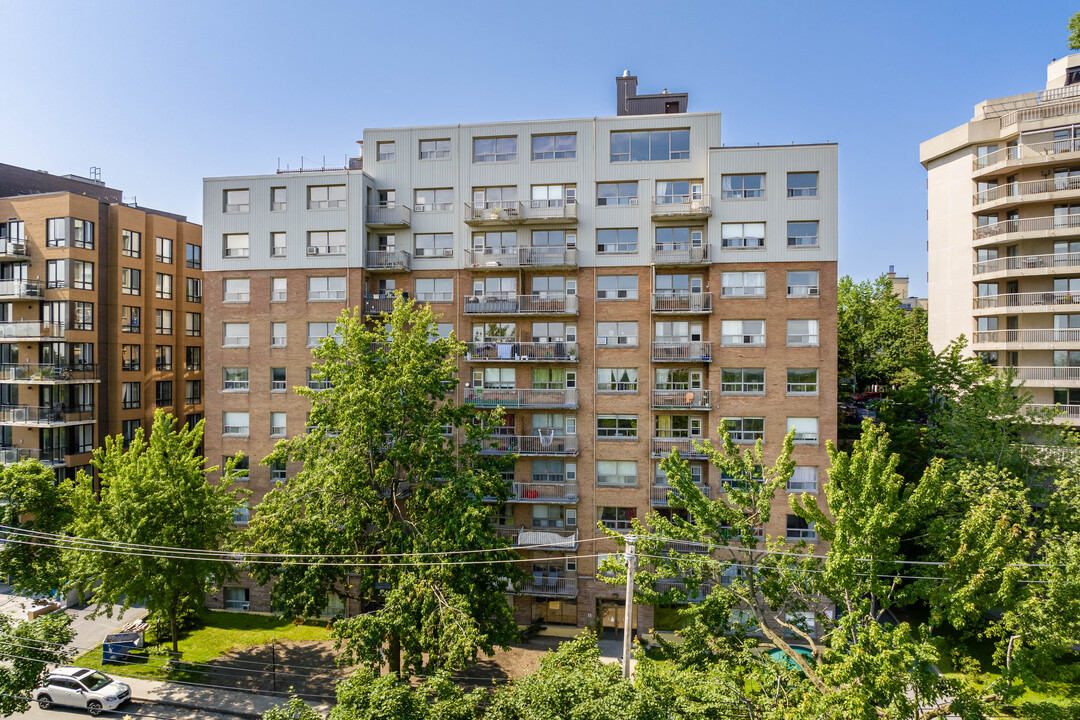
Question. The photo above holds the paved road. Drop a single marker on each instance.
(137, 709)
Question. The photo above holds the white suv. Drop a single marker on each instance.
(81, 687)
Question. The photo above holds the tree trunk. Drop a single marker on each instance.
(394, 651)
(172, 627)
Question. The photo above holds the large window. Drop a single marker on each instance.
(434, 200)
(163, 250)
(236, 335)
(324, 197)
(617, 518)
(617, 334)
(802, 333)
(278, 335)
(235, 379)
(235, 423)
(434, 149)
(277, 244)
(326, 242)
(617, 287)
(193, 324)
(194, 256)
(803, 479)
(83, 316)
(802, 184)
(621, 473)
(802, 381)
(435, 290)
(494, 149)
(131, 357)
(236, 245)
(802, 234)
(742, 381)
(237, 201)
(554, 147)
(130, 281)
(193, 357)
(163, 286)
(163, 357)
(194, 290)
(742, 284)
(746, 429)
(616, 426)
(278, 199)
(806, 430)
(326, 288)
(802, 283)
(646, 145)
(737, 187)
(163, 395)
(742, 235)
(236, 290)
(742, 332)
(385, 151)
(616, 240)
(620, 193)
(163, 324)
(434, 244)
(279, 289)
(131, 395)
(82, 275)
(192, 392)
(131, 243)
(319, 331)
(277, 424)
(617, 380)
(129, 319)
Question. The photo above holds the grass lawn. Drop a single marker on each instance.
(218, 633)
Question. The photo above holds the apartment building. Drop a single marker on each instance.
(1004, 236)
(95, 296)
(623, 284)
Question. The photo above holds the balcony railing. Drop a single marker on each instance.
(662, 447)
(1040, 112)
(1047, 225)
(549, 584)
(32, 331)
(1065, 412)
(378, 304)
(387, 260)
(1034, 151)
(542, 538)
(1041, 335)
(682, 302)
(659, 495)
(563, 492)
(505, 211)
(13, 249)
(38, 373)
(666, 584)
(664, 350)
(684, 398)
(1030, 187)
(690, 205)
(47, 456)
(388, 215)
(680, 254)
(806, 438)
(1028, 262)
(31, 415)
(523, 398)
(22, 289)
(686, 546)
(518, 256)
(549, 210)
(1053, 374)
(507, 304)
(521, 351)
(531, 445)
(1028, 299)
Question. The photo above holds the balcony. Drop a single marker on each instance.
(548, 585)
(686, 546)
(494, 213)
(659, 495)
(1040, 112)
(1034, 339)
(13, 250)
(531, 445)
(1066, 413)
(1041, 301)
(1049, 376)
(662, 447)
(664, 350)
(388, 216)
(47, 456)
(524, 398)
(378, 304)
(542, 538)
(1033, 154)
(554, 256)
(680, 254)
(682, 303)
(668, 584)
(22, 289)
(505, 304)
(1029, 191)
(28, 415)
(665, 398)
(539, 212)
(532, 492)
(1023, 265)
(497, 351)
(31, 331)
(399, 260)
(681, 207)
(1027, 228)
(47, 374)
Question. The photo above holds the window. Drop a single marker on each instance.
(194, 256)
(277, 244)
(434, 149)
(82, 275)
(742, 186)
(678, 238)
(193, 358)
(385, 151)
(131, 395)
(496, 149)
(434, 244)
(235, 379)
(277, 380)
(806, 430)
(802, 333)
(129, 319)
(56, 232)
(319, 331)
(194, 290)
(277, 424)
(802, 234)
(237, 201)
(163, 359)
(802, 283)
(278, 336)
(326, 288)
(677, 426)
(163, 250)
(326, 242)
(554, 147)
(621, 193)
(130, 281)
(235, 335)
(192, 392)
(802, 184)
(236, 290)
(495, 378)
(616, 240)
(742, 332)
(435, 290)
(678, 192)
(163, 322)
(617, 287)
(798, 529)
(193, 324)
(278, 197)
(131, 357)
(742, 381)
(696, 474)
(745, 430)
(237, 598)
(617, 380)
(802, 381)
(131, 243)
(324, 197)
(279, 289)
(84, 316)
(617, 518)
(616, 472)
(163, 393)
(552, 196)
(742, 284)
(236, 245)
(55, 274)
(645, 145)
(444, 329)
(277, 471)
(128, 429)
(616, 426)
(163, 286)
(803, 479)
(235, 423)
(617, 334)
(434, 200)
(742, 235)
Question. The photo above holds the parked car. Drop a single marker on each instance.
(83, 688)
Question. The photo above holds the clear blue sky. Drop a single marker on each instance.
(161, 94)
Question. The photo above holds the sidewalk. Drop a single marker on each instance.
(228, 702)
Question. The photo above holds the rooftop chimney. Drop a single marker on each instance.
(626, 88)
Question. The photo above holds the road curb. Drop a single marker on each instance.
(201, 708)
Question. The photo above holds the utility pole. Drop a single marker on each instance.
(631, 561)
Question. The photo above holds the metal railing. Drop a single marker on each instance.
(686, 546)
(507, 211)
(680, 254)
(666, 584)
(236, 341)
(1029, 187)
(662, 447)
(1046, 224)
(550, 210)
(692, 204)
(235, 430)
(1033, 151)
(681, 302)
(376, 305)
(32, 330)
(1028, 262)
(22, 289)
(9, 248)
(1065, 412)
(548, 584)
(31, 415)
(522, 351)
(1026, 299)
(30, 372)
(806, 438)
(681, 399)
(1040, 112)
(659, 495)
(522, 256)
(236, 385)
(675, 350)
(544, 492)
(1066, 374)
(387, 260)
(523, 398)
(508, 304)
(531, 445)
(551, 538)
(389, 215)
(48, 456)
(1041, 335)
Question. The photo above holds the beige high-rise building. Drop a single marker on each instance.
(1004, 235)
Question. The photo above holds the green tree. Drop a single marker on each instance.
(1074, 32)
(153, 493)
(31, 501)
(384, 476)
(27, 649)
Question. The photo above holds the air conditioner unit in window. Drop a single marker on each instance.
(812, 291)
(313, 251)
(448, 252)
